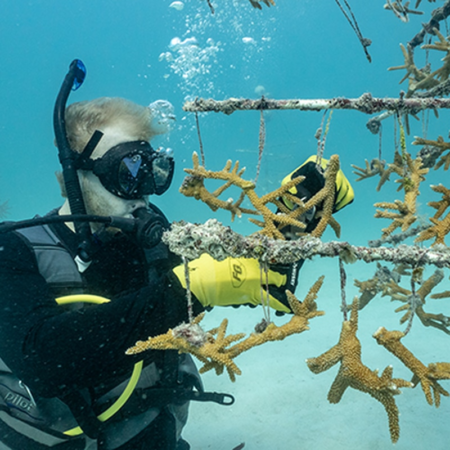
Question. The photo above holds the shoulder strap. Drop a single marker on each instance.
(54, 262)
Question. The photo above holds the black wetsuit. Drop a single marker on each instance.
(54, 348)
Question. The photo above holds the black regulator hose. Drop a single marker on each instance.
(147, 227)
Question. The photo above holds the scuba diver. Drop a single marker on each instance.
(82, 284)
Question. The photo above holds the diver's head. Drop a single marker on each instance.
(118, 173)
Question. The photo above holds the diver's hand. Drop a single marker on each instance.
(233, 282)
(314, 181)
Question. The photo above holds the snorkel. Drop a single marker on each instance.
(68, 158)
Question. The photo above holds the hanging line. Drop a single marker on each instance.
(202, 153)
(380, 142)
(188, 289)
(365, 42)
(343, 278)
(321, 139)
(264, 293)
(262, 141)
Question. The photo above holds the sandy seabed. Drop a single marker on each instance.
(281, 404)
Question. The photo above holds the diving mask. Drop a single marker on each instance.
(132, 170)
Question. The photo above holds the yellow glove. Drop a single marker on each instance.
(231, 282)
(314, 181)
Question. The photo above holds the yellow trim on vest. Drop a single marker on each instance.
(85, 298)
(115, 407)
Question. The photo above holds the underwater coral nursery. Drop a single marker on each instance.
(217, 351)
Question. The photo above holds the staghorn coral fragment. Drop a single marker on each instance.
(408, 65)
(444, 161)
(412, 174)
(442, 45)
(444, 203)
(215, 352)
(440, 295)
(375, 167)
(378, 283)
(418, 79)
(368, 289)
(353, 373)
(440, 146)
(440, 228)
(193, 186)
(427, 376)
(326, 194)
(395, 167)
(414, 301)
(303, 311)
(271, 223)
(399, 237)
(401, 11)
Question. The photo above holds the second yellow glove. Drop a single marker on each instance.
(230, 282)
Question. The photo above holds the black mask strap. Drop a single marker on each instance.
(84, 160)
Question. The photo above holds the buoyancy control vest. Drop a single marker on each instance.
(28, 421)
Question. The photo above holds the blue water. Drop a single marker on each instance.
(298, 49)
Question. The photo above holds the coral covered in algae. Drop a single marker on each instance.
(219, 241)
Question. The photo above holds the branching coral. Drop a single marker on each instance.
(401, 11)
(272, 223)
(418, 78)
(213, 348)
(396, 166)
(370, 288)
(375, 167)
(414, 302)
(412, 174)
(353, 373)
(438, 144)
(424, 79)
(427, 376)
(440, 228)
(442, 45)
